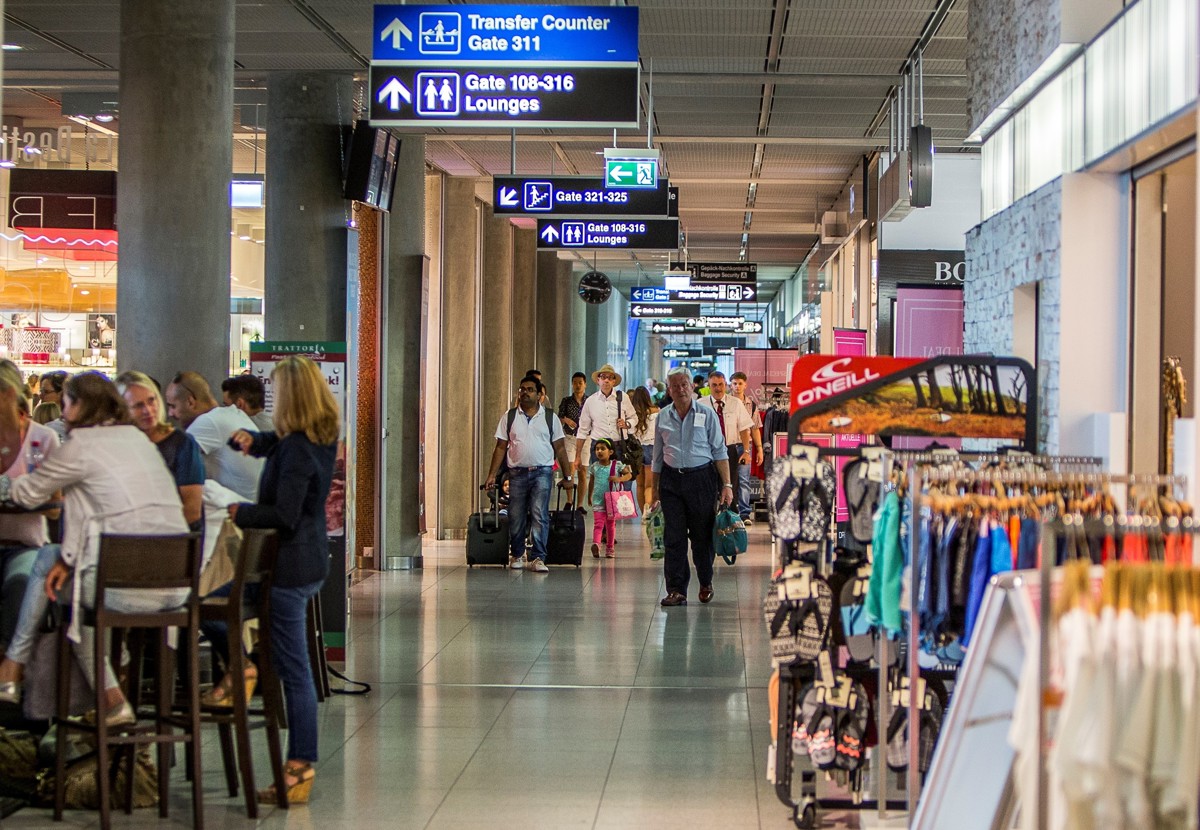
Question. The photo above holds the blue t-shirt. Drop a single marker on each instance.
(182, 454)
(600, 475)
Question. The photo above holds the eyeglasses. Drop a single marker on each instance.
(607, 376)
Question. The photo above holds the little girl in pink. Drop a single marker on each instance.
(604, 473)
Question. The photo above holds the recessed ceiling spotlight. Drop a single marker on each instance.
(84, 291)
(31, 150)
(7, 163)
(104, 117)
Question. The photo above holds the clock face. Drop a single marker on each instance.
(595, 288)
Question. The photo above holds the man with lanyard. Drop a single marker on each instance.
(532, 438)
(691, 477)
(602, 416)
(735, 422)
(739, 381)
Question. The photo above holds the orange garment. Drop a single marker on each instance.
(1014, 536)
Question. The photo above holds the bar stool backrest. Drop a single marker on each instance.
(256, 563)
(160, 563)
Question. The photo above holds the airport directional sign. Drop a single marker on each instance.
(470, 95)
(622, 234)
(668, 327)
(575, 196)
(627, 173)
(644, 311)
(745, 273)
(677, 352)
(704, 293)
(697, 325)
(570, 34)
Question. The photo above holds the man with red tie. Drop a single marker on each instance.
(734, 419)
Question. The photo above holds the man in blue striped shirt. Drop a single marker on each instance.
(691, 479)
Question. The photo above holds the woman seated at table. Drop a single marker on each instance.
(179, 450)
(113, 480)
(21, 534)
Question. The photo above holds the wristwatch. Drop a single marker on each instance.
(727, 484)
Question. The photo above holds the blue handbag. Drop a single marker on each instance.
(729, 536)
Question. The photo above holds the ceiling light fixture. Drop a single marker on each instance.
(84, 291)
(12, 47)
(104, 117)
(32, 150)
(7, 163)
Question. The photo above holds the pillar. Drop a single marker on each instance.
(548, 327)
(595, 348)
(176, 91)
(400, 354)
(564, 295)
(498, 380)
(460, 462)
(306, 214)
(579, 333)
(524, 305)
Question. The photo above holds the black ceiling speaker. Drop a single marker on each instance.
(595, 288)
(920, 167)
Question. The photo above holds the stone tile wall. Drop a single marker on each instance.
(1018, 246)
(1006, 41)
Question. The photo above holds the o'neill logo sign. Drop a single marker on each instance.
(817, 377)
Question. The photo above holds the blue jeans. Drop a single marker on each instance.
(743, 485)
(289, 654)
(529, 499)
(16, 565)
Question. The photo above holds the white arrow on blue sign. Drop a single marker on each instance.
(508, 197)
(550, 234)
(392, 92)
(396, 30)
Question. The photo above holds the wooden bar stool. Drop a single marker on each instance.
(149, 563)
(253, 571)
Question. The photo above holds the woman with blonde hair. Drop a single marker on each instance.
(179, 450)
(291, 499)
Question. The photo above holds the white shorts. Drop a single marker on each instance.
(572, 443)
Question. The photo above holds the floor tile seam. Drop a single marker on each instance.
(612, 761)
(482, 741)
(659, 581)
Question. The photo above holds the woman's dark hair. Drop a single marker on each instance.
(54, 380)
(640, 399)
(98, 403)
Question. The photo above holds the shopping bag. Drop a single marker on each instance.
(654, 524)
(620, 504)
(729, 536)
(219, 569)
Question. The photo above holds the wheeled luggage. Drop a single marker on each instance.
(564, 544)
(487, 535)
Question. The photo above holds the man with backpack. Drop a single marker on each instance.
(530, 438)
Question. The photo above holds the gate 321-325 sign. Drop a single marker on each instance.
(489, 66)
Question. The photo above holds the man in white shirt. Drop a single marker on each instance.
(605, 414)
(734, 420)
(190, 401)
(531, 436)
(739, 382)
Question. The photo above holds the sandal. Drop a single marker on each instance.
(298, 792)
(221, 694)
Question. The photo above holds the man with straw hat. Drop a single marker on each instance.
(606, 413)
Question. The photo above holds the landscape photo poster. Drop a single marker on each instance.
(949, 396)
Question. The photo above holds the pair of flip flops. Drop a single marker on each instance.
(833, 737)
(799, 628)
(927, 734)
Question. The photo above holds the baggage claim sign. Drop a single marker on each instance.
(505, 66)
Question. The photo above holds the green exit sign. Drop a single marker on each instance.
(631, 173)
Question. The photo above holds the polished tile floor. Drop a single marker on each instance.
(506, 699)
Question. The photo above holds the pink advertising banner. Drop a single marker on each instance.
(928, 323)
(850, 342)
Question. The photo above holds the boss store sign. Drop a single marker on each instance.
(927, 269)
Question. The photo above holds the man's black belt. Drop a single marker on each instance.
(686, 470)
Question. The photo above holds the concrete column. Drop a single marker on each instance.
(548, 327)
(564, 295)
(595, 346)
(579, 332)
(460, 338)
(431, 382)
(524, 305)
(176, 93)
(404, 268)
(306, 214)
(496, 372)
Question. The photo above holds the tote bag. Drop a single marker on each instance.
(619, 504)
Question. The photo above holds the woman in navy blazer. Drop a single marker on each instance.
(291, 499)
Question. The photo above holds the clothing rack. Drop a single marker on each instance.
(804, 811)
(917, 477)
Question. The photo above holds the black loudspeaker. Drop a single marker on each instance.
(920, 166)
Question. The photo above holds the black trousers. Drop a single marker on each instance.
(689, 500)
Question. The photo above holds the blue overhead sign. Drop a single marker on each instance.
(513, 34)
(575, 196)
(627, 234)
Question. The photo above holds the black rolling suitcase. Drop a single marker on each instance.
(564, 545)
(487, 535)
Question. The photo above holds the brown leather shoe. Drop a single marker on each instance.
(706, 593)
(673, 599)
